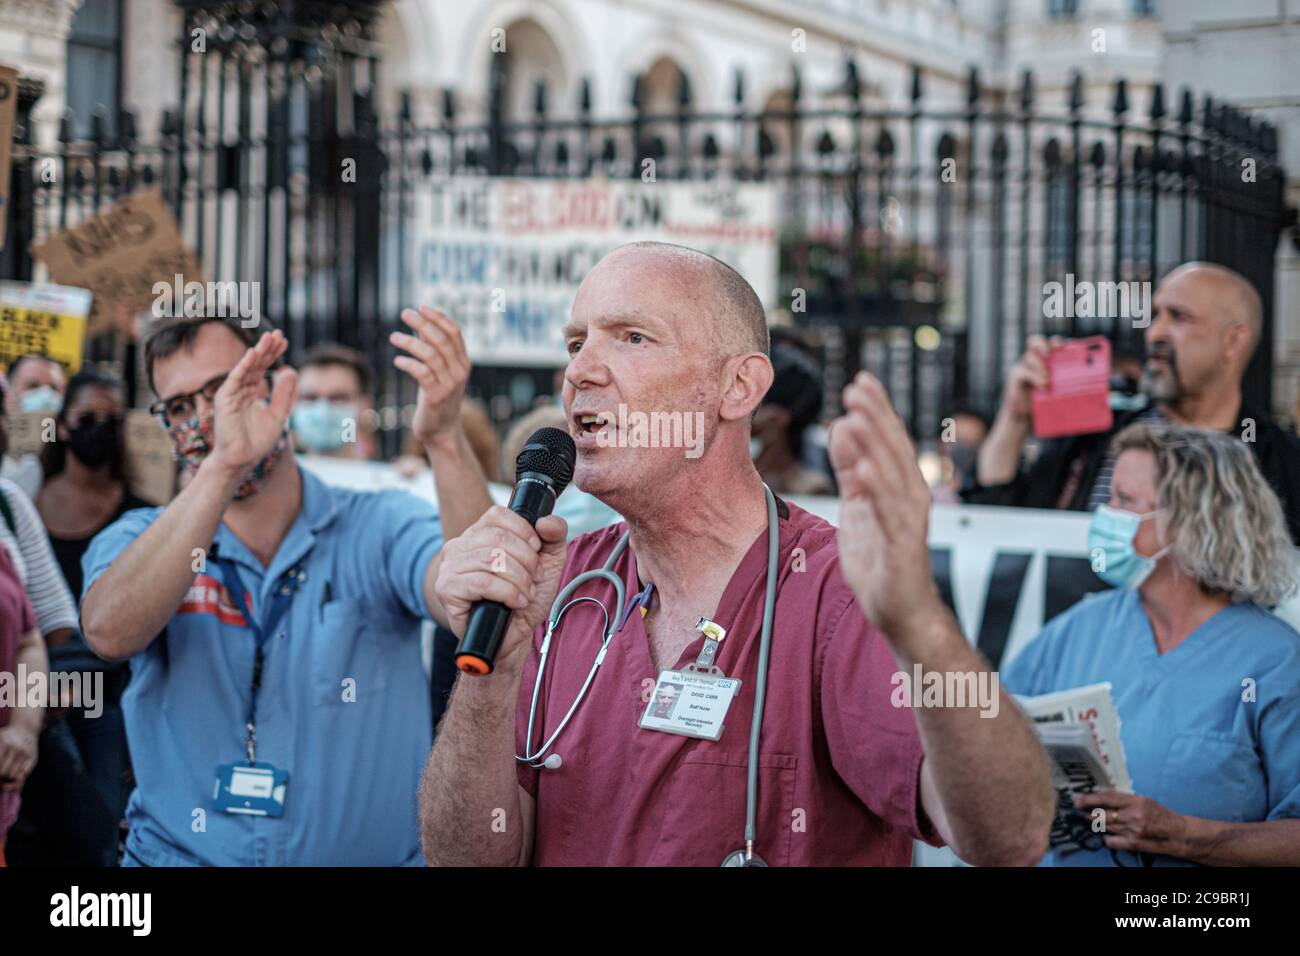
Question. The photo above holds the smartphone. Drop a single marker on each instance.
(1076, 400)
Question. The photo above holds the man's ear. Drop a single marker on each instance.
(746, 379)
(1236, 343)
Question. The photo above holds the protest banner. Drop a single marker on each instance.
(505, 256)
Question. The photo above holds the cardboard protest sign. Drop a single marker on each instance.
(149, 458)
(28, 431)
(119, 255)
(8, 122)
(48, 319)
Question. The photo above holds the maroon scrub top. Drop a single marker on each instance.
(839, 767)
(16, 619)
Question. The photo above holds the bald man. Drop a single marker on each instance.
(1205, 325)
(846, 771)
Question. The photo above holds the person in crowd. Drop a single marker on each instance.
(21, 652)
(65, 818)
(661, 327)
(791, 405)
(1206, 682)
(272, 621)
(35, 383)
(334, 414)
(87, 487)
(1205, 324)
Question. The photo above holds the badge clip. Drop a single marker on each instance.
(713, 636)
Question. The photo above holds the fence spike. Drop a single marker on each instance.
(1027, 91)
(1076, 92)
(1157, 111)
(1120, 106)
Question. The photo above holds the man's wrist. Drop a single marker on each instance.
(447, 442)
(220, 474)
(920, 635)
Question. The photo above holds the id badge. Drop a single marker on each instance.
(689, 703)
(257, 789)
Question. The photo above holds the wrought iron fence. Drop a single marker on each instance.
(915, 239)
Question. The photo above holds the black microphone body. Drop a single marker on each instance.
(543, 471)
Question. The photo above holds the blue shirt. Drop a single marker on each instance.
(354, 765)
(1194, 740)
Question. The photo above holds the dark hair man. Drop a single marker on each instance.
(272, 621)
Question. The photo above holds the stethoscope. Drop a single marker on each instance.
(539, 759)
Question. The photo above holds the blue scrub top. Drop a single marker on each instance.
(354, 625)
(1191, 742)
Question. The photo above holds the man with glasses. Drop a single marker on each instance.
(277, 711)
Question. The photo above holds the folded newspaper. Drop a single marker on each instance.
(1080, 730)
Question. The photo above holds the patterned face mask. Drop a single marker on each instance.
(192, 442)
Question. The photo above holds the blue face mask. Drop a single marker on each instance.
(1110, 542)
(320, 425)
(41, 399)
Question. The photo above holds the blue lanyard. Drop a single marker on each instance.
(281, 597)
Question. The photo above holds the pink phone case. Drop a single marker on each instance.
(1076, 400)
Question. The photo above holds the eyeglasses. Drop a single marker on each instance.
(180, 408)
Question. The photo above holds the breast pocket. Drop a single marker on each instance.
(1212, 775)
(347, 655)
(706, 806)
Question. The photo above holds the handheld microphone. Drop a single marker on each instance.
(543, 469)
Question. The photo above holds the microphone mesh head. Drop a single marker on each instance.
(550, 452)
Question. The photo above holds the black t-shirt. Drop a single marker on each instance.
(68, 551)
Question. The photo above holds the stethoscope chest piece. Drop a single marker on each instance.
(739, 858)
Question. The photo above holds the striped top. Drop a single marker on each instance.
(33, 557)
(1100, 493)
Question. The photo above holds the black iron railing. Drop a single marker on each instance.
(915, 239)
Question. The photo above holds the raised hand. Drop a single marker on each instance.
(1029, 373)
(884, 511)
(245, 427)
(440, 365)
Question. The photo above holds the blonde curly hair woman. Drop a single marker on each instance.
(1206, 681)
